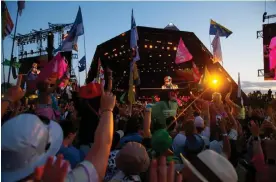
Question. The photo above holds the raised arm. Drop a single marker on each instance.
(99, 153)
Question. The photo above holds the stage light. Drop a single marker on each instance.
(168, 48)
(169, 43)
(162, 47)
(123, 34)
(106, 53)
(114, 50)
(174, 48)
(158, 41)
(160, 55)
(2, 96)
(155, 47)
(215, 81)
(115, 55)
(146, 46)
(150, 46)
(169, 55)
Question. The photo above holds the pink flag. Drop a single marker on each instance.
(196, 73)
(56, 68)
(182, 54)
(272, 56)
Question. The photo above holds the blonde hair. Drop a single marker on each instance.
(216, 97)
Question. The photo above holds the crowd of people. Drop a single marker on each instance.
(98, 138)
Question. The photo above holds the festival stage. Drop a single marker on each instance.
(157, 50)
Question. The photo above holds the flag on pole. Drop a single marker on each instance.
(217, 28)
(217, 54)
(239, 95)
(182, 53)
(205, 78)
(134, 38)
(196, 73)
(21, 6)
(82, 64)
(7, 23)
(56, 68)
(71, 39)
(133, 75)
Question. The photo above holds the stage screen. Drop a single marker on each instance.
(269, 44)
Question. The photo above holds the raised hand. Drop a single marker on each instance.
(108, 101)
(254, 128)
(52, 171)
(14, 94)
(160, 172)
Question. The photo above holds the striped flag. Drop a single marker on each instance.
(7, 23)
(217, 54)
(21, 6)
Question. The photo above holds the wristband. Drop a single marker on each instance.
(225, 134)
(106, 110)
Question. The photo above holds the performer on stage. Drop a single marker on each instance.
(168, 83)
(33, 73)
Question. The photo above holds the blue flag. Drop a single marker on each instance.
(82, 64)
(76, 30)
(217, 28)
(133, 39)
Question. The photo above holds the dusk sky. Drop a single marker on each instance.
(242, 52)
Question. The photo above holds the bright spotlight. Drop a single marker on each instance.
(215, 81)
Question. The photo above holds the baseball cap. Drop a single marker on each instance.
(27, 144)
(199, 122)
(161, 141)
(132, 159)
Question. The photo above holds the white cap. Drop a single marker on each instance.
(199, 122)
(26, 144)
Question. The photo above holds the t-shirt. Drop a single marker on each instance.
(84, 172)
(72, 154)
(161, 111)
(178, 144)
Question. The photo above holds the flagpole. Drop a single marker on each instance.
(221, 52)
(3, 59)
(210, 43)
(11, 60)
(85, 57)
(79, 76)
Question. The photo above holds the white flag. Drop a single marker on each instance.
(217, 54)
(239, 86)
(239, 90)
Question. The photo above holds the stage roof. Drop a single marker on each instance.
(157, 49)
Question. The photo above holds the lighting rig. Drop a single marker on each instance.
(40, 36)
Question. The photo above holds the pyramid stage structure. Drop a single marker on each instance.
(157, 50)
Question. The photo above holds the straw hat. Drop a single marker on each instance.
(209, 166)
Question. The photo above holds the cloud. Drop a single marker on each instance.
(249, 86)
